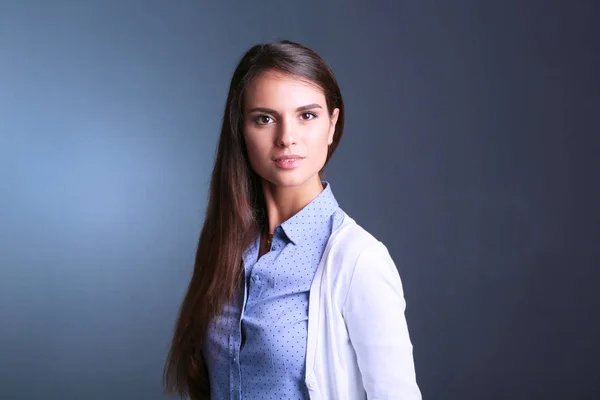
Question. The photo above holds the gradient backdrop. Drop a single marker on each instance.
(471, 151)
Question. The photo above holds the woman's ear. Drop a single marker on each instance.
(332, 122)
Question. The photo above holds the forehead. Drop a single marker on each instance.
(280, 91)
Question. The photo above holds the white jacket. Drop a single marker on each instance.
(358, 342)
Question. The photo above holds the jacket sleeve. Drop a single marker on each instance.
(374, 315)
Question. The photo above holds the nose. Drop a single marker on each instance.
(285, 134)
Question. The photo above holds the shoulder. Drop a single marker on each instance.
(350, 234)
(359, 268)
(351, 244)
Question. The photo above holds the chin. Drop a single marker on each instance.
(289, 180)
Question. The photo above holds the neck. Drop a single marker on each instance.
(284, 202)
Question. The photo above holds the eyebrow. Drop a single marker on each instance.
(299, 109)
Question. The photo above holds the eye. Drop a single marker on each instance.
(263, 119)
(307, 116)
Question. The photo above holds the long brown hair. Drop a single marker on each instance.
(236, 211)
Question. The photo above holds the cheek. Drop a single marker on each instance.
(320, 139)
(318, 147)
(257, 150)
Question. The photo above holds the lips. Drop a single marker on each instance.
(288, 161)
(289, 157)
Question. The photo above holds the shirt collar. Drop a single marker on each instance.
(315, 213)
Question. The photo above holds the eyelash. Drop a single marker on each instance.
(257, 119)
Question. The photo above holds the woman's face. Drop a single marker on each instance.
(287, 129)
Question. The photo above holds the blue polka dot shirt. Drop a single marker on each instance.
(256, 348)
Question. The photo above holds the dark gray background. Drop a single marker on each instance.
(470, 151)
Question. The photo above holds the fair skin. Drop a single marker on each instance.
(285, 116)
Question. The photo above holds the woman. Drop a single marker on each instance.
(290, 298)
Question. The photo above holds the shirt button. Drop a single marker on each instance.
(311, 384)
